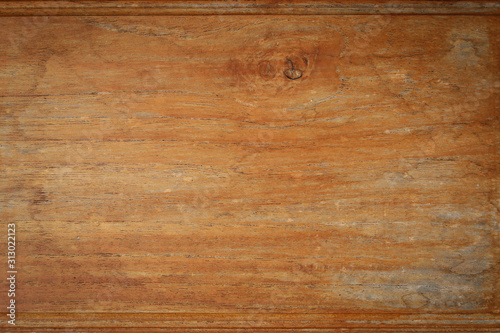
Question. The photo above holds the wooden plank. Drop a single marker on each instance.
(246, 7)
(259, 173)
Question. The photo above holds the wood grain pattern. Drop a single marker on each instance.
(252, 173)
(245, 7)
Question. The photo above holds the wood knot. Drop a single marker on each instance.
(266, 69)
(295, 67)
(280, 69)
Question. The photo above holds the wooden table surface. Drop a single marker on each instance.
(264, 167)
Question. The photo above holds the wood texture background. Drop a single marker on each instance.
(251, 172)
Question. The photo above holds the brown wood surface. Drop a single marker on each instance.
(246, 7)
(251, 173)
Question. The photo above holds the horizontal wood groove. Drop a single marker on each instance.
(409, 322)
(373, 328)
(259, 7)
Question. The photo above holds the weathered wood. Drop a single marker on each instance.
(246, 7)
(252, 172)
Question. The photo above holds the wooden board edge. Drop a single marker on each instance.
(154, 322)
(247, 7)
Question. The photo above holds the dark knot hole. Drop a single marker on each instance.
(293, 72)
